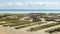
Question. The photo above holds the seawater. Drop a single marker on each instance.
(29, 11)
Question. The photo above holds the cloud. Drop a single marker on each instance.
(30, 4)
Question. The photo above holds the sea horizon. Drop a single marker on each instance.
(29, 10)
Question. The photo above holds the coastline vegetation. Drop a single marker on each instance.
(19, 21)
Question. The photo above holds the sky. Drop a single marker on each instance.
(29, 0)
(29, 4)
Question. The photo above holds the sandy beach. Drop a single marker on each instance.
(11, 30)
